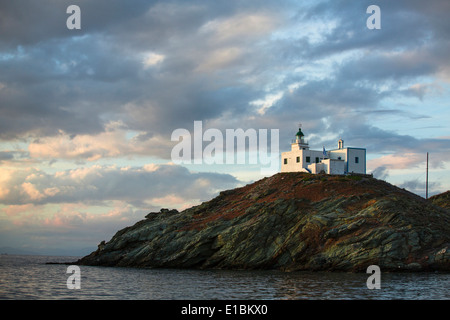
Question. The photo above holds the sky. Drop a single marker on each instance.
(87, 115)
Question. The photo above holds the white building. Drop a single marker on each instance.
(338, 161)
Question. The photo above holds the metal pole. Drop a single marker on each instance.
(426, 192)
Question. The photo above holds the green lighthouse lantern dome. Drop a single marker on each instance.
(299, 133)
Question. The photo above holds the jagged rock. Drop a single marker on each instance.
(162, 211)
(291, 221)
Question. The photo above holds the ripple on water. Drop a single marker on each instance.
(28, 277)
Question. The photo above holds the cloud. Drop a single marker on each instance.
(213, 62)
(65, 228)
(152, 59)
(64, 93)
(397, 161)
(99, 184)
(30, 190)
(419, 187)
(389, 65)
(114, 142)
(29, 22)
(239, 26)
(380, 173)
(79, 84)
(80, 207)
(219, 59)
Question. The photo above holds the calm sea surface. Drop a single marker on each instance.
(28, 277)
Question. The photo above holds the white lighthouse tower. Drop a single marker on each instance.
(299, 143)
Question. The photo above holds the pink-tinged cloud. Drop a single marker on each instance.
(150, 185)
(24, 215)
(65, 225)
(17, 210)
(67, 216)
(397, 161)
(30, 190)
(113, 142)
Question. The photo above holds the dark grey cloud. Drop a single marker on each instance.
(4, 155)
(17, 156)
(28, 22)
(78, 83)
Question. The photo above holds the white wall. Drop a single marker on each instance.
(335, 154)
(316, 167)
(352, 166)
(334, 166)
(292, 164)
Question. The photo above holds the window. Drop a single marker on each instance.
(308, 159)
(356, 159)
(298, 159)
(339, 158)
(317, 159)
(285, 161)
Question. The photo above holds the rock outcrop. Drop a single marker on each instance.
(441, 200)
(291, 221)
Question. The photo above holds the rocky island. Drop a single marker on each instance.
(290, 222)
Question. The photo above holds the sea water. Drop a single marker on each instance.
(29, 277)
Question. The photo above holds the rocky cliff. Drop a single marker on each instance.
(291, 221)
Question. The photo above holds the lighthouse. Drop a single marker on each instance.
(299, 142)
(343, 160)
